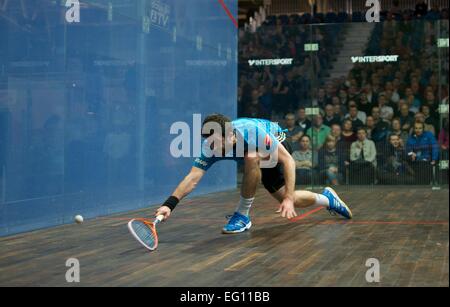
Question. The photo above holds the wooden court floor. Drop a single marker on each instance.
(405, 229)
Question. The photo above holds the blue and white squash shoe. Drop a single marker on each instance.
(337, 206)
(238, 223)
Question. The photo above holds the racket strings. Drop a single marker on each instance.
(144, 232)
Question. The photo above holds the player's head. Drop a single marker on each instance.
(217, 129)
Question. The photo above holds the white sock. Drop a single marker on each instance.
(244, 206)
(322, 200)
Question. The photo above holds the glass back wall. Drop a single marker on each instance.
(88, 95)
(365, 104)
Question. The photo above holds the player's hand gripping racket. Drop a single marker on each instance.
(144, 231)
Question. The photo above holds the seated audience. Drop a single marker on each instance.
(397, 130)
(423, 152)
(330, 117)
(304, 161)
(363, 159)
(395, 169)
(331, 162)
(381, 130)
(302, 119)
(443, 139)
(420, 117)
(353, 117)
(318, 132)
(294, 132)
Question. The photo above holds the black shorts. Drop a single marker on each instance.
(273, 178)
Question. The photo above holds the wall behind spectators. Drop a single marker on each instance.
(86, 107)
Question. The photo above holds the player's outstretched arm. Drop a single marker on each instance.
(186, 186)
(287, 206)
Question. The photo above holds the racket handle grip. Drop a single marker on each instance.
(159, 219)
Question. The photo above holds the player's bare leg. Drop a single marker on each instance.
(329, 199)
(240, 221)
(303, 199)
(252, 177)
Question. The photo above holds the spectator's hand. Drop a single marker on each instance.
(413, 156)
(347, 163)
(433, 163)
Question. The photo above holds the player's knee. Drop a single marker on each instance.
(252, 160)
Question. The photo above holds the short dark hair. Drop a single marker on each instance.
(305, 136)
(362, 129)
(419, 123)
(220, 119)
(393, 134)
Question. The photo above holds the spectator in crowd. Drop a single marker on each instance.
(266, 99)
(391, 92)
(381, 130)
(304, 161)
(318, 132)
(362, 116)
(396, 169)
(342, 145)
(321, 101)
(443, 139)
(330, 117)
(363, 159)
(280, 94)
(364, 104)
(430, 101)
(430, 119)
(339, 112)
(370, 94)
(294, 132)
(420, 117)
(423, 151)
(335, 100)
(412, 101)
(302, 120)
(254, 109)
(406, 117)
(421, 145)
(331, 162)
(343, 97)
(353, 117)
(386, 111)
(370, 125)
(348, 133)
(398, 131)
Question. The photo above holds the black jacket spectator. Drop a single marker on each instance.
(330, 121)
(395, 168)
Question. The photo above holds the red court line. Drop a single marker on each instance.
(304, 215)
(229, 13)
(385, 222)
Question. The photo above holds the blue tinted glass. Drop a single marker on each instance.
(86, 106)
